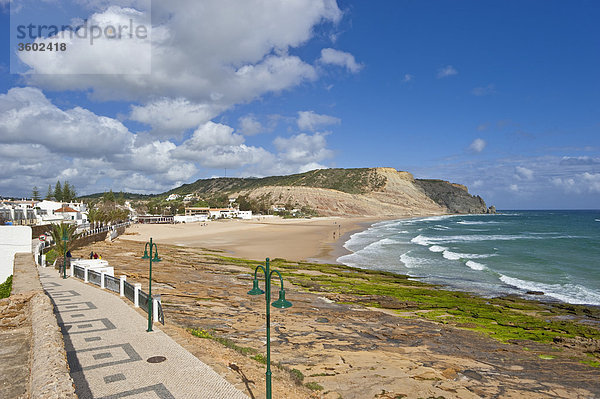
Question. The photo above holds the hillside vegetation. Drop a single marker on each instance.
(352, 181)
(377, 192)
(340, 192)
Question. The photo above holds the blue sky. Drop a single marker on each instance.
(502, 96)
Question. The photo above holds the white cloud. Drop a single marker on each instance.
(477, 145)
(207, 52)
(514, 188)
(249, 126)
(303, 148)
(92, 52)
(28, 117)
(408, 77)
(523, 173)
(340, 58)
(214, 145)
(581, 160)
(168, 115)
(585, 182)
(446, 71)
(592, 180)
(309, 120)
(207, 57)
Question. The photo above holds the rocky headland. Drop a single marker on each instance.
(368, 192)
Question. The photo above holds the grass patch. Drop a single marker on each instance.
(546, 357)
(322, 375)
(259, 357)
(6, 287)
(591, 363)
(297, 376)
(202, 333)
(313, 386)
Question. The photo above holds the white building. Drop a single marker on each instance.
(246, 215)
(173, 197)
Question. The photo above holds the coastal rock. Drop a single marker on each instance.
(585, 344)
(454, 197)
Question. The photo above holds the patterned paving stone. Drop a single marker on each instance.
(106, 343)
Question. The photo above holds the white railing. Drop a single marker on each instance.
(126, 290)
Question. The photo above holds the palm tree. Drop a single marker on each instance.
(95, 216)
(63, 230)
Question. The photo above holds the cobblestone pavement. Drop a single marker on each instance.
(110, 353)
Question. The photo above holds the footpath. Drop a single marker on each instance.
(111, 355)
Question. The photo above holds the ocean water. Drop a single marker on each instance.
(556, 252)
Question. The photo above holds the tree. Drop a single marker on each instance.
(49, 194)
(68, 192)
(35, 194)
(95, 216)
(109, 197)
(64, 230)
(58, 193)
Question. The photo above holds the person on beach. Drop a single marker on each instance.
(92, 255)
(95, 255)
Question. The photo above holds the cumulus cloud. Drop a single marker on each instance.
(446, 71)
(28, 117)
(340, 58)
(249, 126)
(309, 120)
(583, 160)
(580, 183)
(90, 52)
(303, 148)
(477, 145)
(207, 52)
(523, 173)
(168, 115)
(206, 57)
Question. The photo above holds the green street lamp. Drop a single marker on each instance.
(280, 303)
(65, 239)
(155, 259)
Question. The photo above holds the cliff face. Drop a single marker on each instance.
(378, 192)
(454, 197)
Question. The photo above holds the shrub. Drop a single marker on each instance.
(6, 287)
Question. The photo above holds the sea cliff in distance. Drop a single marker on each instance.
(375, 192)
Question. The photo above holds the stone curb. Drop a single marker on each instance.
(49, 378)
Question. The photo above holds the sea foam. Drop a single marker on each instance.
(570, 293)
(475, 265)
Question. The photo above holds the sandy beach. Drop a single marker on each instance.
(317, 239)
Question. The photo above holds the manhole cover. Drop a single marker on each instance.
(156, 359)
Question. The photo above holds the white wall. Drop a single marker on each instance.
(13, 239)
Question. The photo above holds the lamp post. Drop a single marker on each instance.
(148, 255)
(280, 303)
(65, 239)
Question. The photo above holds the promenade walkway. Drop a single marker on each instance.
(110, 353)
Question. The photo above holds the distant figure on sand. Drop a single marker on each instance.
(95, 255)
(92, 255)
